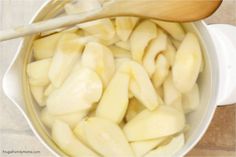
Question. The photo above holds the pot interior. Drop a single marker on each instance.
(198, 120)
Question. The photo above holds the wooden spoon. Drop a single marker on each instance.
(168, 10)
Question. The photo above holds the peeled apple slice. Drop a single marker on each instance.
(141, 86)
(173, 28)
(99, 58)
(168, 150)
(38, 72)
(187, 64)
(45, 47)
(115, 98)
(107, 138)
(82, 6)
(67, 54)
(140, 38)
(134, 108)
(142, 147)
(37, 92)
(163, 121)
(171, 94)
(169, 53)
(102, 28)
(161, 72)
(124, 26)
(71, 119)
(50, 88)
(156, 46)
(79, 91)
(123, 45)
(176, 43)
(66, 140)
(119, 52)
(79, 131)
(191, 99)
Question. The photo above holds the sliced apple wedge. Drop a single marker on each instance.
(140, 85)
(38, 72)
(187, 64)
(142, 147)
(123, 44)
(107, 138)
(45, 47)
(120, 52)
(171, 94)
(163, 121)
(67, 54)
(71, 119)
(115, 98)
(176, 43)
(124, 26)
(37, 92)
(173, 28)
(168, 150)
(140, 38)
(156, 46)
(99, 58)
(66, 140)
(169, 53)
(79, 131)
(191, 99)
(134, 108)
(80, 90)
(102, 28)
(161, 71)
(50, 88)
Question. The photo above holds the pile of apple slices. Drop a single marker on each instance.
(117, 87)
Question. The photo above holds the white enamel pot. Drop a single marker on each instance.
(216, 82)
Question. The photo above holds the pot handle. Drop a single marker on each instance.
(224, 37)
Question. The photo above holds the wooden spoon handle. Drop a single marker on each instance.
(48, 25)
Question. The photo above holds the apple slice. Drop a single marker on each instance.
(124, 26)
(176, 43)
(123, 45)
(187, 64)
(140, 38)
(173, 28)
(171, 94)
(141, 86)
(163, 121)
(160, 92)
(115, 98)
(38, 72)
(45, 47)
(169, 53)
(50, 88)
(66, 140)
(67, 54)
(168, 150)
(156, 46)
(80, 90)
(142, 147)
(37, 92)
(99, 58)
(107, 138)
(191, 100)
(134, 108)
(82, 6)
(102, 28)
(71, 119)
(161, 71)
(79, 131)
(120, 52)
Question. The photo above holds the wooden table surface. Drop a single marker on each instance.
(219, 140)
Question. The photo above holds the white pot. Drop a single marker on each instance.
(216, 82)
